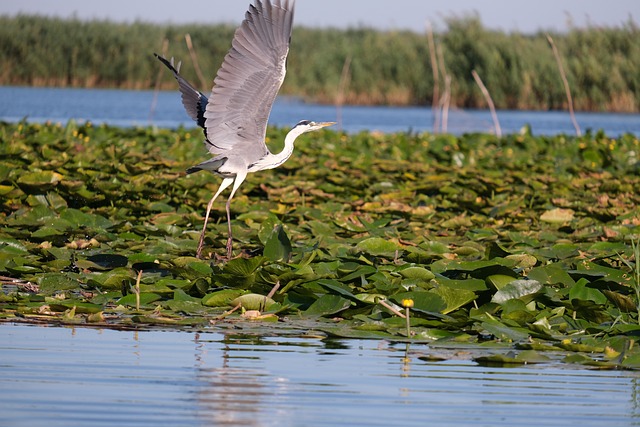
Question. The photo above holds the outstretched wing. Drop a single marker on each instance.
(193, 100)
(249, 79)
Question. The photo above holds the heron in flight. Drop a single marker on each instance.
(235, 115)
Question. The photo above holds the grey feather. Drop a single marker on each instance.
(194, 101)
(248, 81)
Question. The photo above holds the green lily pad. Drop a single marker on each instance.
(108, 261)
(277, 246)
(43, 179)
(426, 301)
(454, 298)
(327, 305)
(146, 298)
(254, 302)
(57, 282)
(580, 291)
(414, 272)
(526, 357)
(378, 246)
(222, 298)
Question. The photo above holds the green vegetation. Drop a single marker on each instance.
(528, 243)
(386, 67)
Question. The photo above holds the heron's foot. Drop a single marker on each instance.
(229, 248)
(200, 246)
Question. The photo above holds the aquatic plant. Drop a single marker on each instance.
(520, 242)
(519, 70)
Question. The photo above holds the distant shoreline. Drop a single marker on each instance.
(385, 67)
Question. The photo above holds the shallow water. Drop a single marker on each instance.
(64, 376)
(164, 109)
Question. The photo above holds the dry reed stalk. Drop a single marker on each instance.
(156, 86)
(391, 308)
(445, 99)
(436, 78)
(487, 97)
(137, 290)
(342, 87)
(194, 60)
(565, 82)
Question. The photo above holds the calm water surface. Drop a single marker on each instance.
(54, 376)
(134, 108)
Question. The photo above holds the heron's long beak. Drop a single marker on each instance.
(325, 124)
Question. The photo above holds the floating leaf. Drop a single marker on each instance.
(580, 291)
(426, 301)
(499, 281)
(239, 272)
(108, 261)
(221, 298)
(522, 358)
(57, 282)
(327, 305)
(516, 289)
(378, 246)
(557, 215)
(454, 298)
(12, 246)
(414, 272)
(550, 275)
(623, 302)
(46, 233)
(504, 332)
(146, 298)
(277, 246)
(336, 287)
(254, 302)
(523, 260)
(40, 179)
(80, 307)
(114, 279)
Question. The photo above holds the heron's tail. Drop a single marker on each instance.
(193, 169)
(210, 165)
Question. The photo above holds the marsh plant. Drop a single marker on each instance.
(509, 243)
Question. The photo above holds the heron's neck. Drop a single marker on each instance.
(271, 161)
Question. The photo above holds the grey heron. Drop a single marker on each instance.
(235, 115)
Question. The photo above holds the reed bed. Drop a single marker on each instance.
(393, 67)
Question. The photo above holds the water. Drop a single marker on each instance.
(133, 108)
(77, 376)
(68, 377)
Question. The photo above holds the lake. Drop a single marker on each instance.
(134, 108)
(233, 376)
(67, 376)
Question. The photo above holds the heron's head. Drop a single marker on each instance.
(308, 126)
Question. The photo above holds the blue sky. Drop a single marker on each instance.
(525, 16)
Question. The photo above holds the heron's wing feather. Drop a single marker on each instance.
(249, 79)
(193, 100)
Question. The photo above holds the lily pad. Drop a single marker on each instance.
(378, 246)
(254, 302)
(277, 246)
(517, 289)
(43, 179)
(557, 216)
(327, 305)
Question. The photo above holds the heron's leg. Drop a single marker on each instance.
(225, 183)
(239, 179)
